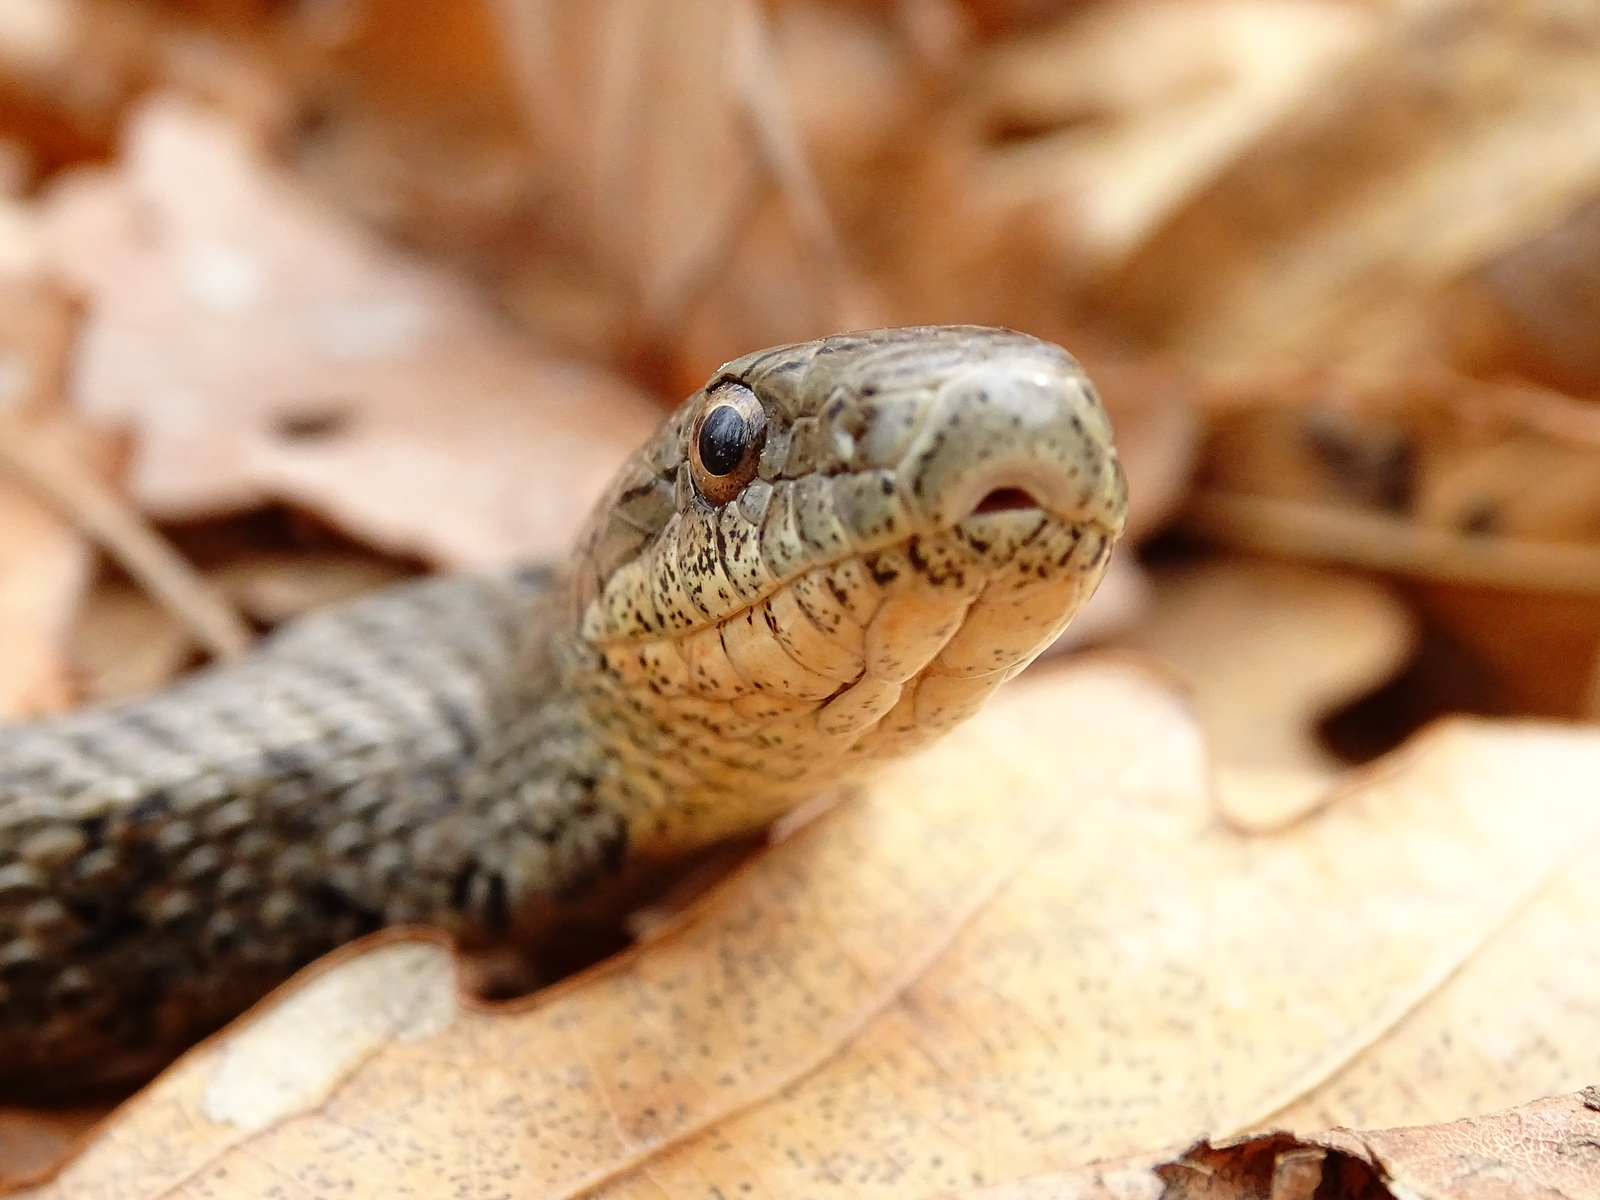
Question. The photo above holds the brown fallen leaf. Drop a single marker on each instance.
(626, 173)
(1268, 649)
(1153, 407)
(1550, 668)
(1549, 1147)
(57, 462)
(67, 67)
(1117, 114)
(45, 563)
(31, 1141)
(1132, 1178)
(1487, 496)
(44, 567)
(274, 588)
(125, 644)
(1456, 131)
(1530, 312)
(57, 471)
(650, 111)
(262, 348)
(1452, 454)
(1028, 948)
(1120, 602)
(1545, 1150)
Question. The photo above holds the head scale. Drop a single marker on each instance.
(831, 554)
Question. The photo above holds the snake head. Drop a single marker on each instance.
(832, 553)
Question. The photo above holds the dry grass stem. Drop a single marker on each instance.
(1324, 534)
(127, 537)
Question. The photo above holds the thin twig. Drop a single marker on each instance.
(1327, 534)
(757, 81)
(783, 158)
(66, 485)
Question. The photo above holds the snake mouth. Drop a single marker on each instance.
(1031, 485)
(1006, 499)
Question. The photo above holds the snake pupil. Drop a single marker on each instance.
(724, 437)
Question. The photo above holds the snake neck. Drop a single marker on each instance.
(537, 827)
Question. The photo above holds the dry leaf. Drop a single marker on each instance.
(1460, 130)
(125, 644)
(1530, 312)
(32, 1141)
(625, 170)
(1549, 1147)
(1490, 493)
(1546, 1150)
(641, 105)
(55, 493)
(274, 588)
(1120, 113)
(1125, 1179)
(1551, 668)
(1268, 650)
(1152, 407)
(263, 349)
(66, 68)
(1448, 452)
(1039, 944)
(45, 563)
(993, 963)
(1119, 604)
(44, 567)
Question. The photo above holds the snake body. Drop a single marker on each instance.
(828, 556)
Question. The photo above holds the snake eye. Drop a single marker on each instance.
(725, 447)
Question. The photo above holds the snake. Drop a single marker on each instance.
(825, 558)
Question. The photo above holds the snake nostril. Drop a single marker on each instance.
(1005, 500)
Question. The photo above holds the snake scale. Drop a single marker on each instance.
(827, 556)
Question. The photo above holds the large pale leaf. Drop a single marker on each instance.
(1031, 947)
(263, 348)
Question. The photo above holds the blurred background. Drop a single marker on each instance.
(301, 296)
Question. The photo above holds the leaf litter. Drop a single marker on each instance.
(45, 563)
(990, 963)
(367, 293)
(1541, 1149)
(261, 349)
